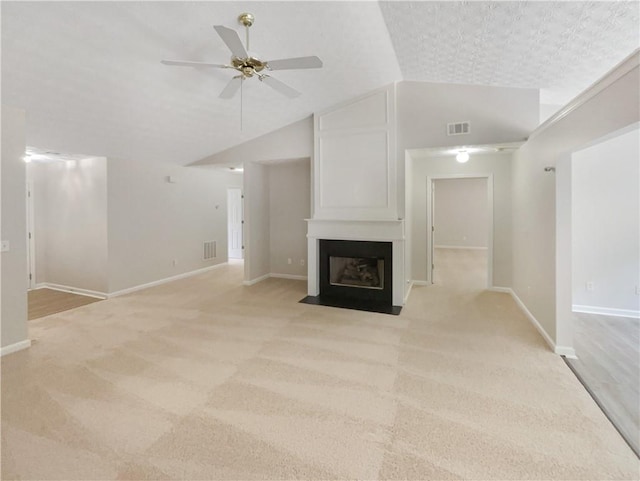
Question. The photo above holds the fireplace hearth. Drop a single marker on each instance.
(355, 275)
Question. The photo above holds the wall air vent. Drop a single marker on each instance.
(458, 128)
(209, 250)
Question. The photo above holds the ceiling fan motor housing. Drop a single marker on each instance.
(248, 66)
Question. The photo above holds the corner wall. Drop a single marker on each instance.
(289, 203)
(606, 226)
(610, 105)
(152, 222)
(257, 264)
(70, 210)
(13, 285)
(277, 202)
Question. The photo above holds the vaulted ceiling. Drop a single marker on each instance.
(90, 78)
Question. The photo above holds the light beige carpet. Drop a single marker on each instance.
(206, 379)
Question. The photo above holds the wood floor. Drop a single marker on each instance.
(44, 302)
(608, 350)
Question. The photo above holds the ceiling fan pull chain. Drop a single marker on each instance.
(241, 82)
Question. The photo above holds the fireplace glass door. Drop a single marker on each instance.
(361, 272)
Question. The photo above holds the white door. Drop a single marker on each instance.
(234, 206)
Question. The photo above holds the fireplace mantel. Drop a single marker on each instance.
(368, 230)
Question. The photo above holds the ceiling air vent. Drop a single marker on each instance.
(209, 250)
(458, 128)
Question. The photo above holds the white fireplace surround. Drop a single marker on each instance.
(357, 230)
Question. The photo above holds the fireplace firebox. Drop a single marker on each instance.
(355, 275)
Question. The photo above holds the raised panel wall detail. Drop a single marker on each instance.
(355, 159)
(354, 170)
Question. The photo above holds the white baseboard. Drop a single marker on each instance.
(18, 346)
(72, 290)
(164, 281)
(406, 294)
(411, 285)
(256, 280)
(288, 276)
(606, 311)
(506, 290)
(560, 350)
(277, 276)
(566, 352)
(473, 248)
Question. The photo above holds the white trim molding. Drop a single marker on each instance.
(256, 280)
(288, 276)
(566, 351)
(72, 290)
(140, 287)
(490, 219)
(606, 311)
(275, 276)
(617, 72)
(411, 285)
(471, 248)
(506, 290)
(15, 347)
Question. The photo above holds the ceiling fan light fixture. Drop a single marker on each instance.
(463, 156)
(248, 64)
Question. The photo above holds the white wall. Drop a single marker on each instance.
(13, 283)
(294, 141)
(70, 223)
(612, 107)
(289, 206)
(498, 164)
(606, 224)
(496, 114)
(460, 218)
(152, 222)
(257, 260)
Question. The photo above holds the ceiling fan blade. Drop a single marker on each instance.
(180, 63)
(294, 63)
(231, 38)
(281, 87)
(231, 88)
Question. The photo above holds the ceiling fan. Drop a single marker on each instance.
(248, 65)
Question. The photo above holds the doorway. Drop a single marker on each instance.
(460, 230)
(235, 224)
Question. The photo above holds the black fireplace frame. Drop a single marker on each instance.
(358, 249)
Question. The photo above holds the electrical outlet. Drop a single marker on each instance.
(175, 262)
(289, 260)
(589, 286)
(301, 262)
(637, 290)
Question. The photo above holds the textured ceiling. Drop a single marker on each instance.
(558, 47)
(90, 78)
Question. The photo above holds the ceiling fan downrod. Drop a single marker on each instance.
(247, 20)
